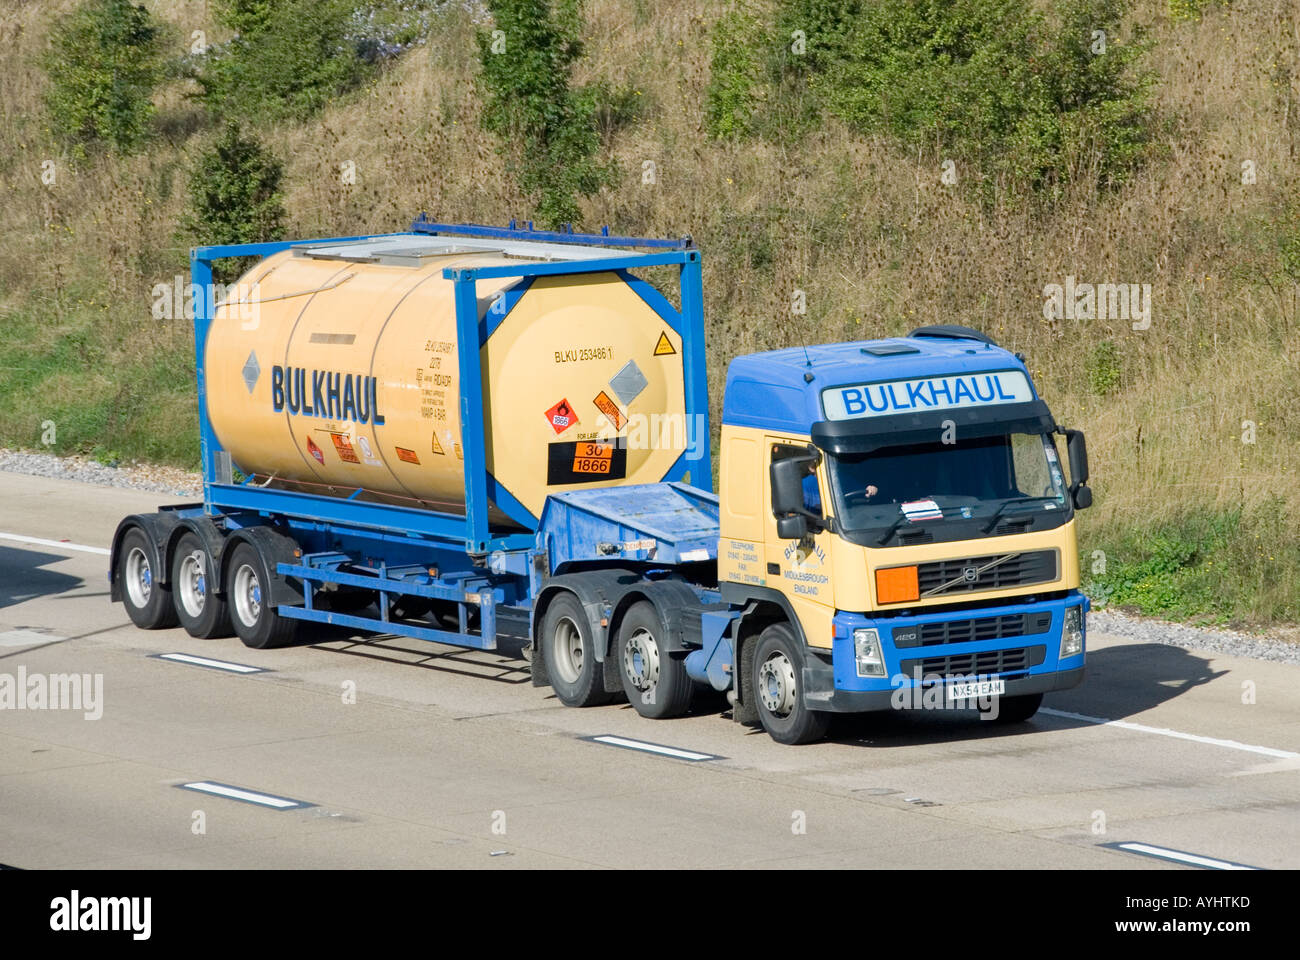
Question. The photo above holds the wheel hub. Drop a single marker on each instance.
(776, 684)
(568, 650)
(641, 660)
(192, 583)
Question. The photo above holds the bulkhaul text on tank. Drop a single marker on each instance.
(333, 396)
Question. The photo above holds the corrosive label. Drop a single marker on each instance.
(561, 416)
(610, 409)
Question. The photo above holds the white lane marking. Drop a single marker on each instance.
(1164, 732)
(27, 638)
(1180, 856)
(205, 662)
(247, 796)
(62, 544)
(652, 748)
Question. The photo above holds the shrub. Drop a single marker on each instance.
(289, 59)
(1023, 102)
(735, 74)
(549, 131)
(1103, 367)
(103, 63)
(234, 194)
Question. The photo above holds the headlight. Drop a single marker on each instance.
(866, 650)
(1072, 634)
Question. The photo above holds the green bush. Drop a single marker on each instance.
(234, 194)
(735, 74)
(288, 60)
(1103, 367)
(1022, 102)
(1239, 565)
(103, 63)
(550, 132)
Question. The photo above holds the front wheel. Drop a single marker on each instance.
(147, 600)
(252, 613)
(570, 654)
(655, 681)
(778, 689)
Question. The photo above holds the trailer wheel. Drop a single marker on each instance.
(655, 681)
(576, 676)
(148, 603)
(194, 581)
(1012, 709)
(777, 686)
(252, 615)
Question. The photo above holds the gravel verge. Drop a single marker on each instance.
(136, 476)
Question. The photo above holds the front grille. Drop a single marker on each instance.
(1018, 570)
(981, 663)
(972, 631)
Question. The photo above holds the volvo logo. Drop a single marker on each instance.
(970, 574)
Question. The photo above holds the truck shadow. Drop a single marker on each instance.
(503, 665)
(1122, 682)
(22, 577)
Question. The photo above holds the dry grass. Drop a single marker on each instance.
(877, 243)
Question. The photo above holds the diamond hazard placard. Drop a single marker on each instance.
(610, 409)
(561, 416)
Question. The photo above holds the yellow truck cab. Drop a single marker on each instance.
(897, 528)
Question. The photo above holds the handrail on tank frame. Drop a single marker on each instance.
(472, 529)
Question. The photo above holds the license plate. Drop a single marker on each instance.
(969, 689)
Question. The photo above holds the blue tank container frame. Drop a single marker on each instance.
(336, 544)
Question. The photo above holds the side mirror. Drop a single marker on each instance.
(792, 527)
(1077, 449)
(787, 485)
(793, 520)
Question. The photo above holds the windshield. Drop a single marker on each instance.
(1009, 479)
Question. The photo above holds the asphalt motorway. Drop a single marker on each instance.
(344, 752)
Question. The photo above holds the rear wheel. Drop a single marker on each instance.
(252, 614)
(148, 603)
(778, 689)
(194, 582)
(655, 681)
(576, 676)
(1012, 709)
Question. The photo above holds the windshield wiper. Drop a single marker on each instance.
(997, 514)
(902, 518)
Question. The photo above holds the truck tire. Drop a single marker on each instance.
(655, 681)
(576, 675)
(251, 612)
(148, 602)
(200, 611)
(777, 686)
(1014, 709)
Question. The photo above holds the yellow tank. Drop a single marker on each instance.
(334, 368)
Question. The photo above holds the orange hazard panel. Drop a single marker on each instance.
(897, 585)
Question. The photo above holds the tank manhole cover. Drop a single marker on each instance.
(628, 382)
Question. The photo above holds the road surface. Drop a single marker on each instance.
(395, 753)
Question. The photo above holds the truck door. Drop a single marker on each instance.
(801, 569)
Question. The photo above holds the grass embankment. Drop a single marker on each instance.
(1191, 423)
